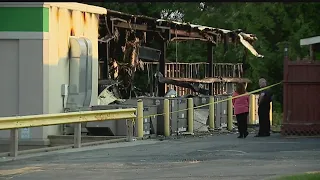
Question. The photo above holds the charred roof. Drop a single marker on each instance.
(180, 31)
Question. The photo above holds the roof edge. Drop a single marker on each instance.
(78, 7)
(21, 4)
(310, 41)
(67, 5)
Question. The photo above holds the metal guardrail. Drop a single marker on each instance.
(14, 123)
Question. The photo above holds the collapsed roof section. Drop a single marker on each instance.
(125, 35)
(182, 31)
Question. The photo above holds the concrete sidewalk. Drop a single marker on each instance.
(210, 157)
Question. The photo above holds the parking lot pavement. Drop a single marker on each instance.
(192, 158)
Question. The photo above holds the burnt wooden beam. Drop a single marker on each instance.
(311, 51)
(128, 16)
(160, 29)
(131, 26)
(181, 83)
(106, 61)
(144, 27)
(188, 38)
(139, 27)
(212, 80)
(225, 44)
(244, 61)
(185, 33)
(162, 68)
(210, 61)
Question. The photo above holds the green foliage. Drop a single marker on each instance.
(311, 176)
(277, 118)
(273, 23)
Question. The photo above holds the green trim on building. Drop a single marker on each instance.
(31, 19)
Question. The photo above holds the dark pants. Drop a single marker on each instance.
(242, 120)
(264, 123)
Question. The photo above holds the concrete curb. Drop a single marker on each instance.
(57, 148)
(298, 137)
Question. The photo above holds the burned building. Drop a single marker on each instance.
(126, 47)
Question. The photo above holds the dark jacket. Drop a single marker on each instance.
(264, 105)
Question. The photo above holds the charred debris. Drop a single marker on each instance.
(135, 45)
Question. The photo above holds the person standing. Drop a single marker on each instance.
(241, 109)
(264, 100)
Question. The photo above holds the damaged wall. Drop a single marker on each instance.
(66, 22)
(224, 76)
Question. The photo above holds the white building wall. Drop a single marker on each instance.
(21, 79)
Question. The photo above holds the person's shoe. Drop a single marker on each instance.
(240, 136)
(262, 135)
(246, 134)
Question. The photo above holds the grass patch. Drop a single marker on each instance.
(308, 176)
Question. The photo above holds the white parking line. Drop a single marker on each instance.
(273, 142)
(242, 152)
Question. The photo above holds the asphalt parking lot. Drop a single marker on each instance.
(192, 158)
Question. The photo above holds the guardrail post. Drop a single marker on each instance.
(130, 130)
(14, 138)
(211, 113)
(77, 135)
(166, 117)
(140, 118)
(230, 113)
(252, 109)
(190, 115)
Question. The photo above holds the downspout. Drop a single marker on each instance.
(88, 80)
